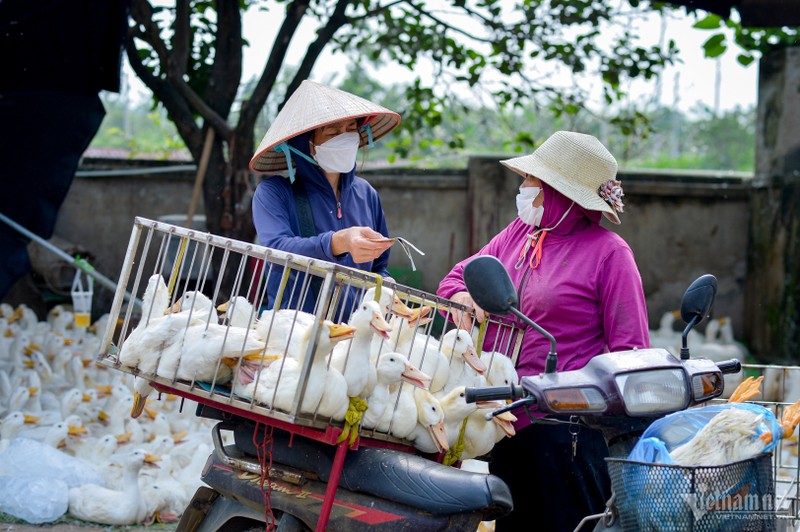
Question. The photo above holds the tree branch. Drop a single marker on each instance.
(226, 72)
(179, 58)
(178, 110)
(147, 30)
(324, 36)
(250, 108)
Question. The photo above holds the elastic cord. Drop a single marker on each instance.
(369, 134)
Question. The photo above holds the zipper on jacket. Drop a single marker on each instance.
(339, 210)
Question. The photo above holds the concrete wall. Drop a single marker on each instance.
(678, 225)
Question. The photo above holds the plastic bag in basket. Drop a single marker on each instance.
(655, 493)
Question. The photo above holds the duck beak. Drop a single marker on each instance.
(506, 422)
(77, 431)
(104, 390)
(419, 317)
(415, 377)
(223, 307)
(341, 331)
(86, 398)
(179, 436)
(493, 405)
(401, 309)
(151, 412)
(380, 325)
(473, 360)
(151, 459)
(124, 437)
(175, 308)
(139, 402)
(31, 419)
(439, 436)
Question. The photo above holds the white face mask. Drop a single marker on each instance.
(525, 210)
(339, 153)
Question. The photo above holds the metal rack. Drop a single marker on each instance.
(220, 268)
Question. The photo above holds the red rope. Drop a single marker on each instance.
(264, 452)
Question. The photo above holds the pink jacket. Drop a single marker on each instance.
(587, 291)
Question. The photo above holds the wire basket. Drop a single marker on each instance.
(658, 497)
(187, 261)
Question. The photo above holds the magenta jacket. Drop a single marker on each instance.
(587, 291)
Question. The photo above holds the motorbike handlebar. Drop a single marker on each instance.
(493, 393)
(730, 366)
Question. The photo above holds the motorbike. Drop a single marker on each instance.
(293, 477)
(619, 394)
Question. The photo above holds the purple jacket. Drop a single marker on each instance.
(278, 225)
(587, 291)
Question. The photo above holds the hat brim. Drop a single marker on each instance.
(588, 199)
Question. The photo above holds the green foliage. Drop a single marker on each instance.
(140, 130)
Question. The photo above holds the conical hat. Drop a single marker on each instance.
(313, 105)
(575, 164)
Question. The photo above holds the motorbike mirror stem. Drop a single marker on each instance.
(552, 358)
(491, 288)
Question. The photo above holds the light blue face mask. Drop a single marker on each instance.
(287, 150)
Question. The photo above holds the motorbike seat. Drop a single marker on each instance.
(392, 475)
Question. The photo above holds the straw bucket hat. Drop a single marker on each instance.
(313, 105)
(579, 167)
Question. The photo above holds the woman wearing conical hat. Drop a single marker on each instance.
(579, 281)
(320, 208)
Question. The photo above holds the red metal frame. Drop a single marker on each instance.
(329, 435)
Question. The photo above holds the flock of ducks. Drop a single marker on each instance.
(413, 384)
(717, 342)
(61, 413)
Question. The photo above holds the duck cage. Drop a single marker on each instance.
(249, 330)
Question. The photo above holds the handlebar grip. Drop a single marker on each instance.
(493, 393)
(730, 366)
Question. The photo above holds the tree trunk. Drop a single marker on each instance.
(773, 280)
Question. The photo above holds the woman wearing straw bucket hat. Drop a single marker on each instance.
(579, 281)
(320, 208)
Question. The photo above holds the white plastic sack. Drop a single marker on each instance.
(25, 458)
(35, 500)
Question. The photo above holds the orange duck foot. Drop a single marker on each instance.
(748, 389)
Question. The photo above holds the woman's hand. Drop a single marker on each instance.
(465, 321)
(362, 243)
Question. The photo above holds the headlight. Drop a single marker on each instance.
(653, 392)
(575, 400)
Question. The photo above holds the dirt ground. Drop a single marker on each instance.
(65, 524)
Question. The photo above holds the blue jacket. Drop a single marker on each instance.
(278, 225)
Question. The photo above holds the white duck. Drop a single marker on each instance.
(457, 409)
(11, 425)
(98, 504)
(155, 329)
(429, 435)
(500, 370)
(464, 364)
(393, 368)
(165, 497)
(481, 435)
(352, 359)
(282, 330)
(666, 336)
(238, 311)
(275, 386)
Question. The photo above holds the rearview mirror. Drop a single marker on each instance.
(698, 299)
(489, 285)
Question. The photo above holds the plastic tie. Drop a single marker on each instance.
(355, 411)
(453, 454)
